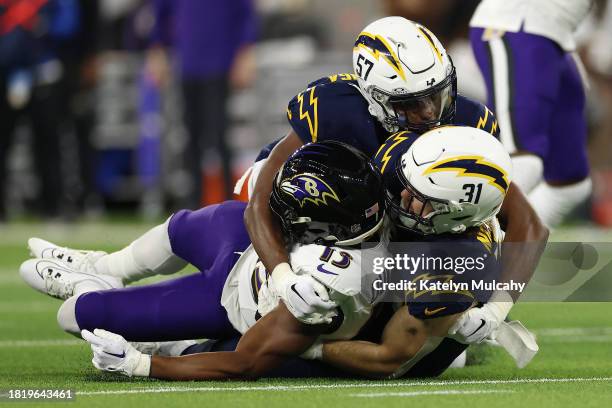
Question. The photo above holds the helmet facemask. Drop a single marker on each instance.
(421, 111)
(305, 231)
(417, 111)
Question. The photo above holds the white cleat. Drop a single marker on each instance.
(57, 279)
(81, 260)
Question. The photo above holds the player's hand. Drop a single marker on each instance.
(474, 326)
(113, 353)
(306, 298)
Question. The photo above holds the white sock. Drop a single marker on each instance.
(164, 348)
(553, 204)
(527, 171)
(149, 255)
(66, 316)
(459, 362)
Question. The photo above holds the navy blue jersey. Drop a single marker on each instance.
(332, 108)
(472, 256)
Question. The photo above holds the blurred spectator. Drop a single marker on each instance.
(213, 44)
(33, 35)
(81, 65)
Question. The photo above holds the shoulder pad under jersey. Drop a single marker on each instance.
(388, 155)
(332, 108)
(475, 114)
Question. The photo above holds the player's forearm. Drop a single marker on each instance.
(263, 229)
(265, 234)
(360, 357)
(256, 353)
(203, 366)
(525, 239)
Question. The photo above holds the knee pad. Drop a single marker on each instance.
(153, 254)
(528, 170)
(66, 316)
(148, 255)
(553, 204)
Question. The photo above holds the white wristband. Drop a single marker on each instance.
(143, 367)
(315, 352)
(282, 274)
(499, 304)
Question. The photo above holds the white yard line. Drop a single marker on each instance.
(578, 339)
(87, 234)
(20, 307)
(41, 343)
(575, 335)
(569, 334)
(342, 386)
(574, 331)
(425, 393)
(9, 277)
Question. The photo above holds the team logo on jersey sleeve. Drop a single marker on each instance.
(306, 187)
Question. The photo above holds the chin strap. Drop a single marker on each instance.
(374, 108)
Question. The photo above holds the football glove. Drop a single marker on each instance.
(113, 353)
(305, 297)
(474, 326)
(479, 324)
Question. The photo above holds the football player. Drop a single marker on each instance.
(403, 80)
(328, 197)
(526, 53)
(424, 337)
(444, 188)
(430, 203)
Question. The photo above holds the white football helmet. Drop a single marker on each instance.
(454, 178)
(405, 74)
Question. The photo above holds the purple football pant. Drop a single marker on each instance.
(184, 308)
(535, 90)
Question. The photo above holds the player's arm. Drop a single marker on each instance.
(256, 353)
(263, 229)
(522, 248)
(372, 359)
(302, 295)
(402, 338)
(525, 238)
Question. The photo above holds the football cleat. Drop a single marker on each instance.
(80, 260)
(59, 280)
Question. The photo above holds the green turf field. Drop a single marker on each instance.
(573, 368)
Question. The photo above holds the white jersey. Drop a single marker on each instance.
(247, 296)
(554, 19)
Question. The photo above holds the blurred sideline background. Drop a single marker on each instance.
(114, 87)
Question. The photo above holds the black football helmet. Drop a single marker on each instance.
(328, 193)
